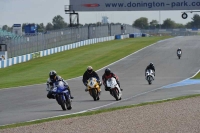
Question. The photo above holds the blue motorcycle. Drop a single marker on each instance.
(62, 96)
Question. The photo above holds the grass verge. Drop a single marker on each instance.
(197, 76)
(72, 63)
(95, 112)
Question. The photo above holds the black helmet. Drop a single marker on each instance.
(89, 69)
(52, 74)
(107, 71)
(151, 64)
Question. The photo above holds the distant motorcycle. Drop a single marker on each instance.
(150, 76)
(115, 90)
(93, 88)
(179, 53)
(62, 95)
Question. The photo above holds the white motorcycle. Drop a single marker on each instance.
(115, 90)
(150, 76)
(179, 54)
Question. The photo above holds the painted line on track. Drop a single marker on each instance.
(164, 87)
(106, 105)
(102, 67)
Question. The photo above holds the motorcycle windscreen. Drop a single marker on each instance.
(179, 52)
(60, 86)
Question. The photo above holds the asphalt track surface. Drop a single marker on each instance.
(30, 103)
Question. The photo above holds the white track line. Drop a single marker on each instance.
(106, 105)
(182, 80)
(102, 67)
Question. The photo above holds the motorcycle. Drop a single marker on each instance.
(179, 54)
(115, 90)
(150, 76)
(93, 88)
(62, 95)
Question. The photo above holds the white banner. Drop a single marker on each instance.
(134, 5)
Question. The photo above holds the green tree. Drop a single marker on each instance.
(40, 27)
(153, 24)
(141, 23)
(178, 25)
(58, 22)
(188, 25)
(168, 24)
(5, 27)
(49, 26)
(196, 21)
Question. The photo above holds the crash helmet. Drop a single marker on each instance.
(107, 71)
(89, 69)
(52, 74)
(151, 64)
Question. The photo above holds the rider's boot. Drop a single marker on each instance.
(86, 89)
(70, 94)
(119, 85)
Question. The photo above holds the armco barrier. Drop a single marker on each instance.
(134, 35)
(117, 37)
(121, 36)
(27, 57)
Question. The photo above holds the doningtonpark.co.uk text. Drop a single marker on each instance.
(153, 4)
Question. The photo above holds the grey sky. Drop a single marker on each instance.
(43, 11)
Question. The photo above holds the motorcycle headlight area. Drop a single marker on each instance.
(94, 86)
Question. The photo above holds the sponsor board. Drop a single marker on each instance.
(134, 5)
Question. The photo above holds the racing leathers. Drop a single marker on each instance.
(87, 75)
(178, 51)
(106, 77)
(51, 85)
(150, 67)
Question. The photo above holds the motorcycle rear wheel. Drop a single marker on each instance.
(68, 103)
(62, 103)
(94, 94)
(115, 94)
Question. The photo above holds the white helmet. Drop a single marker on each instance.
(89, 69)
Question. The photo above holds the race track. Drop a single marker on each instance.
(30, 103)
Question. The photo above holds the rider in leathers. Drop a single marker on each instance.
(179, 50)
(150, 67)
(108, 74)
(88, 74)
(53, 78)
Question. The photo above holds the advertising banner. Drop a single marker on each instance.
(134, 5)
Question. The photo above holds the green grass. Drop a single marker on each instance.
(72, 63)
(197, 76)
(95, 112)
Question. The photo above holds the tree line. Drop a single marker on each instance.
(59, 23)
(167, 23)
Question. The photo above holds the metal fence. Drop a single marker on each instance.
(25, 44)
(172, 32)
(126, 29)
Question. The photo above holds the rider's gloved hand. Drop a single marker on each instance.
(99, 82)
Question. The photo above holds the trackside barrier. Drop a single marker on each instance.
(121, 36)
(145, 35)
(134, 35)
(27, 57)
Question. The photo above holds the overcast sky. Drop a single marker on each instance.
(43, 11)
